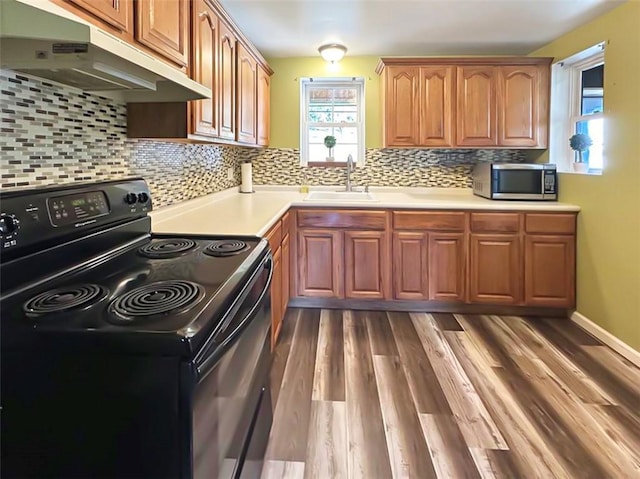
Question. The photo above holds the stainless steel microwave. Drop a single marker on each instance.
(516, 181)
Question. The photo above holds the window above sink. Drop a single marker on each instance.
(331, 107)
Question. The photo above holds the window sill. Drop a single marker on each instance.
(327, 164)
(591, 172)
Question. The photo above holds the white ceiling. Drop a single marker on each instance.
(288, 28)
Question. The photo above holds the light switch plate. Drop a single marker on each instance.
(230, 173)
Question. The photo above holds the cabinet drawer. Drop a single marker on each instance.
(495, 222)
(429, 220)
(274, 236)
(557, 223)
(362, 219)
(286, 224)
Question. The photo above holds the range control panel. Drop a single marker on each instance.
(50, 214)
(76, 208)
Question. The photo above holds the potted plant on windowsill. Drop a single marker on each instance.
(330, 142)
(580, 143)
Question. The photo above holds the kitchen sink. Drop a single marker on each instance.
(341, 196)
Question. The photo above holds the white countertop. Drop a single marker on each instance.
(232, 213)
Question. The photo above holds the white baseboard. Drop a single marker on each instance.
(607, 338)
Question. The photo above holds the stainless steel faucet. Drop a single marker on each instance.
(350, 169)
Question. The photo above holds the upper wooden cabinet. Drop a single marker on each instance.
(163, 26)
(436, 103)
(204, 113)
(465, 102)
(117, 14)
(264, 107)
(247, 92)
(159, 27)
(476, 108)
(401, 107)
(227, 58)
(223, 60)
(523, 107)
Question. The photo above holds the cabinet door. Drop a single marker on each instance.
(446, 266)
(264, 107)
(366, 265)
(402, 110)
(476, 112)
(227, 86)
(116, 13)
(286, 272)
(204, 113)
(319, 261)
(276, 296)
(164, 27)
(410, 273)
(549, 265)
(522, 110)
(247, 96)
(495, 269)
(437, 120)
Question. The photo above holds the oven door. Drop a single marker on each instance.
(230, 383)
(518, 182)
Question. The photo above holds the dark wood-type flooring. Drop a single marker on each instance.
(380, 395)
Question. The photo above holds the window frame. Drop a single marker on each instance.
(332, 82)
(569, 96)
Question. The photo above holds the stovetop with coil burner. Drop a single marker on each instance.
(162, 289)
(165, 284)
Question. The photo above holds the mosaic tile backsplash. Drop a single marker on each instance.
(53, 135)
(383, 167)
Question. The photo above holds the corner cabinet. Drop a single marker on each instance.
(465, 102)
(223, 60)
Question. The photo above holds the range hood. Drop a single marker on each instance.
(39, 38)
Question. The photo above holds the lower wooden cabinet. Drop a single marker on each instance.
(549, 265)
(410, 260)
(366, 265)
(491, 258)
(279, 243)
(276, 296)
(495, 269)
(446, 269)
(286, 271)
(319, 263)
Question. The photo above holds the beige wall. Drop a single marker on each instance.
(285, 95)
(608, 272)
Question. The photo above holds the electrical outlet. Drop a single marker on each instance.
(230, 173)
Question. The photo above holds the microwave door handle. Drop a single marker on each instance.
(204, 367)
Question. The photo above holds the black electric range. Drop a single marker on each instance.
(125, 353)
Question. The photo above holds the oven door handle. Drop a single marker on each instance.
(209, 363)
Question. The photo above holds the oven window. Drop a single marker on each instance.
(519, 181)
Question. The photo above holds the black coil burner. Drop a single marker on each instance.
(167, 248)
(65, 299)
(156, 299)
(226, 247)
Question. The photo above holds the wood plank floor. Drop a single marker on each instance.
(405, 395)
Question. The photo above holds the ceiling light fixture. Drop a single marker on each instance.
(332, 52)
